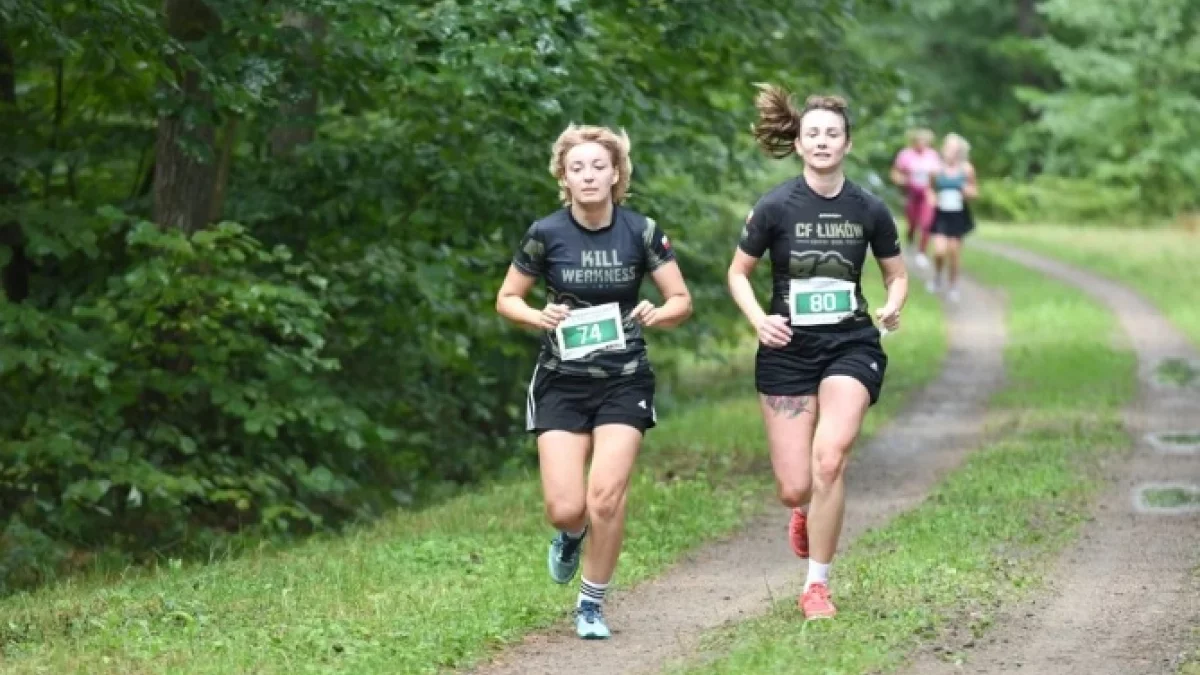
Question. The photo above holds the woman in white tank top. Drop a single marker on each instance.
(951, 187)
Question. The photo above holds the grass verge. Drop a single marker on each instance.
(1171, 497)
(1191, 661)
(1177, 372)
(981, 536)
(431, 589)
(1158, 262)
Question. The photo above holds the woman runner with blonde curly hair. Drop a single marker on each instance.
(592, 390)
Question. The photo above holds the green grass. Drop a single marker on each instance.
(1180, 438)
(1178, 372)
(981, 538)
(1191, 662)
(1170, 497)
(1158, 262)
(431, 589)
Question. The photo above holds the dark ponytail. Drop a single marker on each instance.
(778, 123)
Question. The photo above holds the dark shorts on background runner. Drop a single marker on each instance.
(956, 224)
(558, 402)
(797, 369)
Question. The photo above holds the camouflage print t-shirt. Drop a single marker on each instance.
(809, 236)
(586, 268)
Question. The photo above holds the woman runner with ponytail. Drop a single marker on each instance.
(819, 365)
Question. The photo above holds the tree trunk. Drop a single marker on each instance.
(185, 170)
(1029, 26)
(1028, 23)
(298, 118)
(224, 164)
(17, 271)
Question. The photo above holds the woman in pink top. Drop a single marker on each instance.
(912, 170)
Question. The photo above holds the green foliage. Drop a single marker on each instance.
(189, 388)
(958, 64)
(1074, 111)
(1129, 110)
(332, 348)
(1054, 199)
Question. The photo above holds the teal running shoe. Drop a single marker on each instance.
(589, 622)
(564, 557)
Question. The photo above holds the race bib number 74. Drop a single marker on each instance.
(820, 301)
(590, 329)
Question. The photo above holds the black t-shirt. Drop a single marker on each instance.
(586, 268)
(809, 236)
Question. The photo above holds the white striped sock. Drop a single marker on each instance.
(591, 591)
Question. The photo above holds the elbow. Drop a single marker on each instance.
(681, 309)
(678, 308)
(894, 274)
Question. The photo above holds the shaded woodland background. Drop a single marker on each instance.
(250, 248)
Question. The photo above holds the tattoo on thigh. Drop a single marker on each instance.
(792, 406)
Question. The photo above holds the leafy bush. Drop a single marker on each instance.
(1054, 199)
(192, 388)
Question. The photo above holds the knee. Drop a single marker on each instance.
(605, 502)
(795, 493)
(565, 514)
(830, 463)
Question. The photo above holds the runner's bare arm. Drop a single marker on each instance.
(898, 175)
(774, 333)
(895, 280)
(971, 189)
(510, 303)
(677, 300)
(740, 268)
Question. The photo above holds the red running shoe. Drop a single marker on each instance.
(798, 533)
(816, 603)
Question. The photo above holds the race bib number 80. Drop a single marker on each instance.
(590, 329)
(821, 301)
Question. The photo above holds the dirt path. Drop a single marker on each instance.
(661, 620)
(1124, 598)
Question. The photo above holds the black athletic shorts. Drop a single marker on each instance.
(559, 402)
(798, 368)
(956, 224)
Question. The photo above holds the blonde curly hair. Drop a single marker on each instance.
(921, 133)
(963, 147)
(617, 145)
